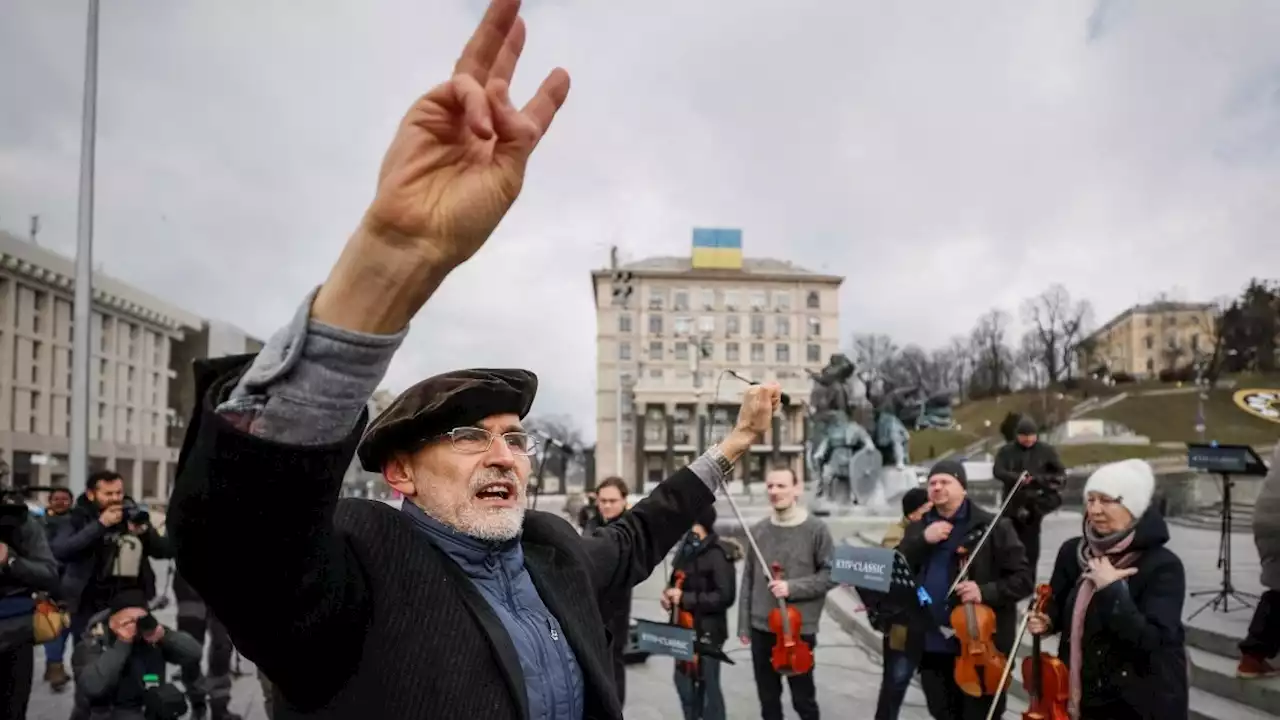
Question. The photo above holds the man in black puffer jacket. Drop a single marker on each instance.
(707, 592)
(1041, 495)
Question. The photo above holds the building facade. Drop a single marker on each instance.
(132, 339)
(212, 339)
(1146, 339)
(666, 342)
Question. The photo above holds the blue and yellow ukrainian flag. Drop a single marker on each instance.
(717, 248)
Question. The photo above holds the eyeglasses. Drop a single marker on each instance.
(473, 441)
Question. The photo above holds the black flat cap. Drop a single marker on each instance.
(441, 403)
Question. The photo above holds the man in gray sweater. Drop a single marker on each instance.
(803, 547)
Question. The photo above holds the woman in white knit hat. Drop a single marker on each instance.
(1117, 603)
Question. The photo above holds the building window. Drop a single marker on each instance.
(812, 302)
(707, 324)
(624, 351)
(732, 325)
(757, 352)
(782, 326)
(782, 300)
(813, 353)
(1151, 365)
(783, 352)
(815, 327)
(1149, 341)
(657, 298)
(655, 350)
(681, 300)
(624, 323)
(684, 325)
(731, 301)
(1195, 343)
(682, 351)
(757, 324)
(628, 436)
(731, 352)
(757, 300)
(708, 299)
(655, 324)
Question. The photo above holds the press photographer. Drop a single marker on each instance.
(104, 547)
(120, 663)
(1042, 493)
(26, 567)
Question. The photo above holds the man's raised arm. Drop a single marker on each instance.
(625, 552)
(271, 437)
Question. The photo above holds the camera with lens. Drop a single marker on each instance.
(135, 513)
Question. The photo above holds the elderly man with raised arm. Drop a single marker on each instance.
(460, 604)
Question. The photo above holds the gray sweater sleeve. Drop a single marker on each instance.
(311, 381)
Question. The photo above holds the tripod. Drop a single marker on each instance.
(1221, 598)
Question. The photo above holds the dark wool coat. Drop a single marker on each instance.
(1134, 665)
(1000, 570)
(352, 612)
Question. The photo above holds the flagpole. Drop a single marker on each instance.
(82, 312)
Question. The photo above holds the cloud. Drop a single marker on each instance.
(945, 157)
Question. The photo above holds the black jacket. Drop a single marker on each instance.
(33, 570)
(351, 611)
(1044, 494)
(710, 586)
(1135, 657)
(1000, 570)
(82, 545)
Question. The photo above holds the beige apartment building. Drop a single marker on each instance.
(132, 338)
(662, 392)
(1146, 339)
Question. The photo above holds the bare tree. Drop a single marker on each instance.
(1058, 322)
(562, 430)
(961, 349)
(1030, 359)
(993, 361)
(873, 351)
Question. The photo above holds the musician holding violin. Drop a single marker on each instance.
(779, 611)
(973, 568)
(1116, 597)
(701, 589)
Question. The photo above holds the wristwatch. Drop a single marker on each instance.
(723, 463)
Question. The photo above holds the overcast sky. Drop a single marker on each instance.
(944, 156)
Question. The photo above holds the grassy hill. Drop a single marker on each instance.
(1149, 409)
(1172, 418)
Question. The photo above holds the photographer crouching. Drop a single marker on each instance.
(120, 664)
(26, 567)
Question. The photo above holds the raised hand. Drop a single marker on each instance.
(458, 159)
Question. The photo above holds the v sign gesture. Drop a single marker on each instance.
(456, 165)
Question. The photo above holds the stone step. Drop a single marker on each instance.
(1216, 692)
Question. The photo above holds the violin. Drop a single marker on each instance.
(980, 665)
(1045, 677)
(791, 654)
(684, 619)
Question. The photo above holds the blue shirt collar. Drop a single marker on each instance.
(465, 550)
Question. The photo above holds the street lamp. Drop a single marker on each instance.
(82, 312)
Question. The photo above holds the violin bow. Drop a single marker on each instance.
(768, 572)
(964, 572)
(1012, 660)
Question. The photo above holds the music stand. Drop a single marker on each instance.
(1226, 461)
